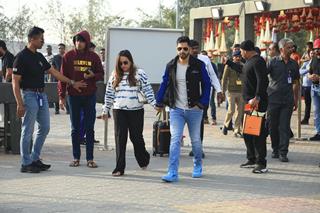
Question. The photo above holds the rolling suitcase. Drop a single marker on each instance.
(161, 135)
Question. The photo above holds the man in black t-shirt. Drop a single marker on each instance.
(7, 62)
(29, 69)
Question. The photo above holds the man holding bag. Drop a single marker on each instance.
(255, 94)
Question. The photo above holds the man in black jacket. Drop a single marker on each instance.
(185, 89)
(254, 93)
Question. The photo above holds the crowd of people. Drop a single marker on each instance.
(269, 86)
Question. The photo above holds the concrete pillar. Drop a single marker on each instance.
(246, 28)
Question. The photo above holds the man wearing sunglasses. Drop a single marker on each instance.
(185, 89)
(81, 64)
(314, 74)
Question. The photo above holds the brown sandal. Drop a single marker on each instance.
(91, 164)
(74, 163)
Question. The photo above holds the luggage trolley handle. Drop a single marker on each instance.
(164, 114)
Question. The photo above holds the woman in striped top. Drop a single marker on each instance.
(122, 93)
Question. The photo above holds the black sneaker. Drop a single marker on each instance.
(224, 130)
(248, 164)
(230, 126)
(31, 168)
(283, 158)
(316, 137)
(95, 141)
(304, 122)
(42, 166)
(259, 169)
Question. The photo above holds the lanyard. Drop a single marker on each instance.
(40, 99)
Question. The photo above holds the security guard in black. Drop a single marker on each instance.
(31, 66)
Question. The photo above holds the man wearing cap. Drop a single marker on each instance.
(254, 92)
(232, 82)
(314, 76)
(283, 98)
(29, 68)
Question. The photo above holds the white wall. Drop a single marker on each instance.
(151, 49)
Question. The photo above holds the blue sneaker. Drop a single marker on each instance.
(170, 177)
(197, 171)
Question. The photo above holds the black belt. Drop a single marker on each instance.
(34, 89)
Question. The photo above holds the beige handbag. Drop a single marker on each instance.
(141, 96)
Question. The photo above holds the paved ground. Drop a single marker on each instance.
(292, 187)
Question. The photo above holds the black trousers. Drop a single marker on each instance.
(257, 146)
(132, 121)
(279, 118)
(306, 92)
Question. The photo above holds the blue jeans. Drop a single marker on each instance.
(34, 112)
(178, 118)
(87, 104)
(316, 102)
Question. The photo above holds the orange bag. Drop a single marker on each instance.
(252, 122)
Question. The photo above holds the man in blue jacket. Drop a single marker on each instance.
(185, 88)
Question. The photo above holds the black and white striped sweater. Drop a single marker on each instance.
(125, 97)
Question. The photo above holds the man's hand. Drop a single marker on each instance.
(20, 110)
(314, 77)
(8, 76)
(105, 117)
(254, 103)
(158, 109)
(62, 103)
(220, 97)
(79, 84)
(224, 59)
(88, 75)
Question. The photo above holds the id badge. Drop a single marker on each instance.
(238, 82)
(289, 80)
(40, 100)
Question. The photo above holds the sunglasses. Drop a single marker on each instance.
(183, 48)
(124, 63)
